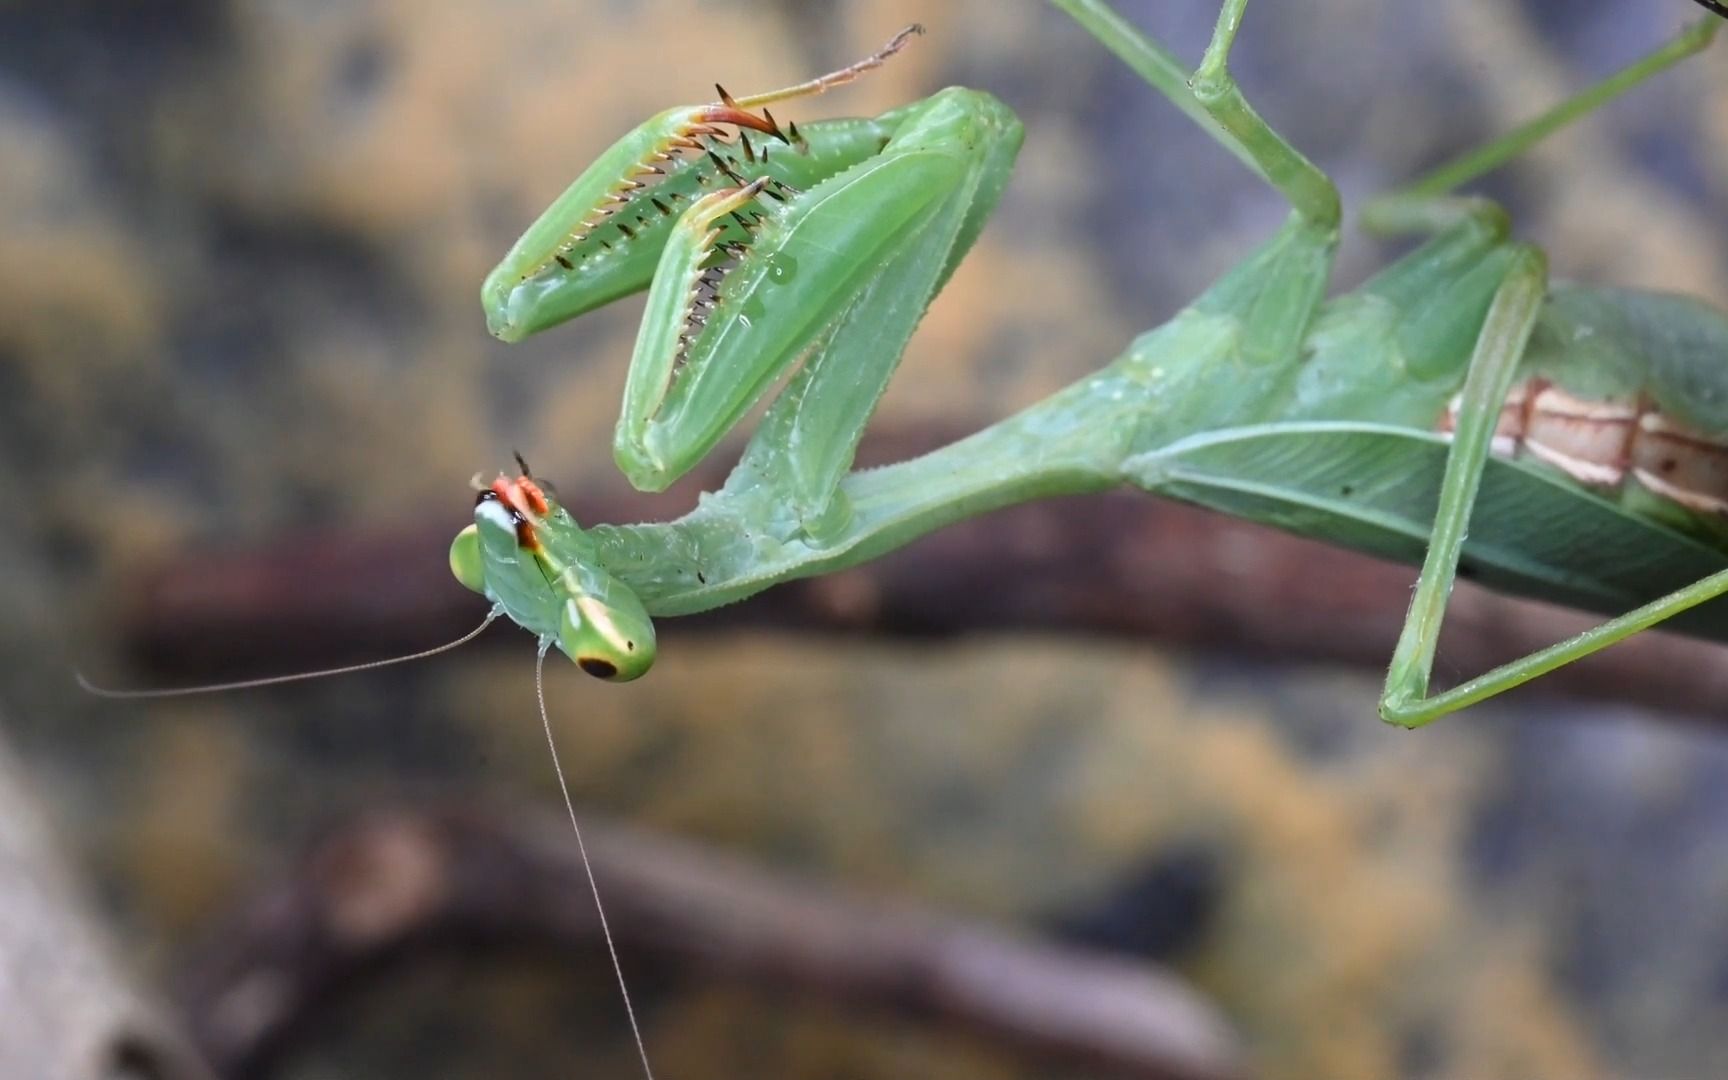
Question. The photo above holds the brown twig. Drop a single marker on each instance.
(401, 878)
(1120, 564)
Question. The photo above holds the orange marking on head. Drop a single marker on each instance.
(535, 498)
(522, 496)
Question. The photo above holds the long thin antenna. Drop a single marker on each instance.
(587, 867)
(277, 680)
(830, 80)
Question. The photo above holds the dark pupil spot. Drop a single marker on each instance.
(600, 669)
(488, 495)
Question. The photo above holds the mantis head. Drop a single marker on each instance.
(528, 556)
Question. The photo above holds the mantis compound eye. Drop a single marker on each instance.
(465, 561)
(612, 641)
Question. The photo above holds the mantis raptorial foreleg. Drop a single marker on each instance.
(901, 221)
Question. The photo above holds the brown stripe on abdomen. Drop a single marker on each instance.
(1682, 465)
(1598, 443)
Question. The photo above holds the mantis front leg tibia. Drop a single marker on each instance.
(806, 442)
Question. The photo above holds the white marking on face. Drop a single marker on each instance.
(493, 514)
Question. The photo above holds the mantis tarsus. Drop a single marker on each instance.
(1366, 419)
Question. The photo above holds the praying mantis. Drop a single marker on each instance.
(1578, 434)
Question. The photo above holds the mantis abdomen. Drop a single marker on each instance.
(1626, 392)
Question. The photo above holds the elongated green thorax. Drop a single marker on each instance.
(527, 555)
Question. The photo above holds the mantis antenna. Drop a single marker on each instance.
(545, 721)
(587, 867)
(277, 680)
(1717, 6)
(827, 82)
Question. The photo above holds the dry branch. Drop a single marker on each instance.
(401, 879)
(1121, 564)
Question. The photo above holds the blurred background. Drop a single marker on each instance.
(244, 377)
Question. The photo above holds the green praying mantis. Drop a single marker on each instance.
(1579, 435)
(806, 255)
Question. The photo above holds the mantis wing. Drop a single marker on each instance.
(1373, 488)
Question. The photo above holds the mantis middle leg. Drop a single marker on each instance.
(1276, 292)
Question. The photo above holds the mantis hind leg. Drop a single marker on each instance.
(1427, 205)
(1276, 291)
(1499, 347)
(1211, 97)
